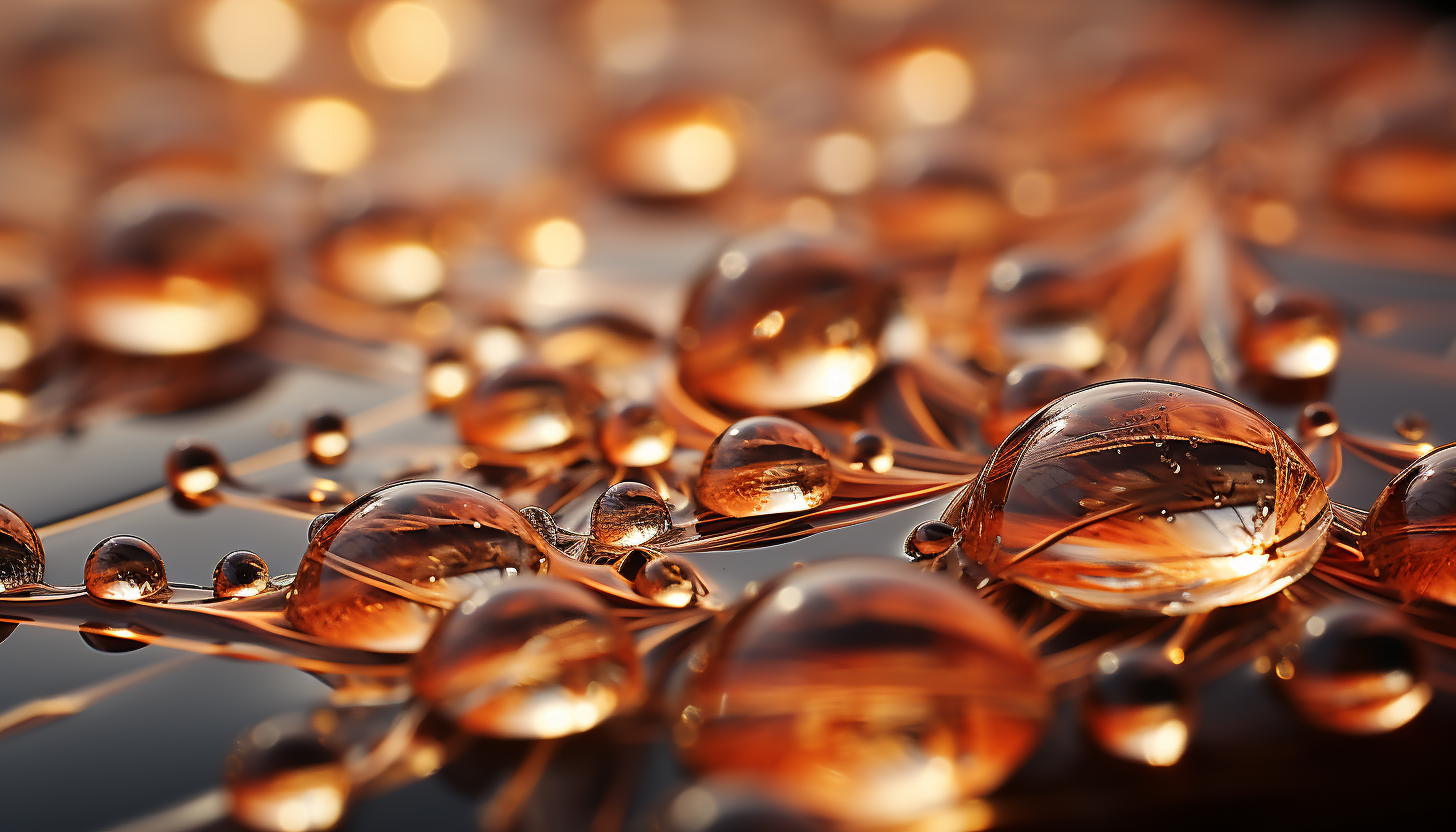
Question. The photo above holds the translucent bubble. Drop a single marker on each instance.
(1290, 335)
(22, 559)
(1039, 309)
(1027, 388)
(940, 705)
(326, 437)
(765, 465)
(384, 569)
(629, 514)
(194, 471)
(525, 409)
(240, 574)
(871, 450)
(317, 524)
(636, 435)
(125, 568)
(531, 658)
(1411, 530)
(777, 323)
(385, 257)
(930, 539)
(281, 777)
(1057, 507)
(1137, 708)
(668, 580)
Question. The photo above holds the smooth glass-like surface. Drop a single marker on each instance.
(1410, 534)
(765, 465)
(125, 568)
(1137, 708)
(636, 435)
(629, 514)
(240, 574)
(527, 408)
(22, 559)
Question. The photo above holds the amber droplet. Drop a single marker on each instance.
(1026, 389)
(526, 408)
(629, 514)
(532, 658)
(446, 379)
(765, 465)
(937, 216)
(194, 471)
(668, 580)
(1317, 421)
(281, 777)
(316, 524)
(1137, 707)
(1410, 533)
(386, 257)
(125, 568)
(930, 539)
(1412, 426)
(870, 450)
(1290, 335)
(1398, 179)
(1040, 309)
(778, 323)
(239, 574)
(385, 568)
(940, 705)
(670, 149)
(326, 437)
(1357, 670)
(1147, 495)
(22, 559)
(636, 436)
(544, 524)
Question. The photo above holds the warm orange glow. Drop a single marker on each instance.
(249, 40)
(630, 36)
(843, 163)
(327, 136)
(556, 243)
(934, 86)
(403, 45)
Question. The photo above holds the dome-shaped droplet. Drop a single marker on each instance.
(385, 257)
(1136, 707)
(194, 471)
(1412, 426)
(670, 149)
(1026, 389)
(765, 465)
(930, 539)
(1147, 495)
(531, 658)
(317, 524)
(125, 568)
(1290, 335)
(1410, 533)
(668, 580)
(281, 777)
(864, 691)
(385, 568)
(637, 436)
(938, 215)
(326, 437)
(544, 524)
(1356, 670)
(870, 450)
(525, 409)
(22, 559)
(1039, 309)
(446, 378)
(629, 514)
(240, 574)
(774, 325)
(1316, 421)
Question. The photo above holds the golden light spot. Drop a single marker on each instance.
(770, 325)
(14, 407)
(402, 45)
(1273, 222)
(556, 243)
(329, 445)
(250, 40)
(1284, 669)
(493, 347)
(446, 381)
(1176, 655)
(810, 216)
(327, 136)
(843, 163)
(700, 157)
(934, 86)
(15, 347)
(630, 36)
(433, 318)
(197, 481)
(1033, 193)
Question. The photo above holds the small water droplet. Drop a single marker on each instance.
(636, 435)
(240, 574)
(282, 777)
(870, 450)
(125, 568)
(629, 514)
(194, 471)
(765, 465)
(326, 438)
(929, 539)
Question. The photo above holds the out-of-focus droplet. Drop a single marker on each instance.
(668, 580)
(925, 86)
(930, 539)
(14, 408)
(386, 257)
(553, 243)
(1356, 670)
(1272, 222)
(671, 149)
(542, 521)
(527, 408)
(495, 346)
(22, 559)
(326, 136)
(281, 777)
(104, 639)
(629, 514)
(630, 37)
(194, 471)
(870, 450)
(765, 465)
(1170, 499)
(249, 40)
(1137, 708)
(1317, 420)
(777, 324)
(383, 570)
(1397, 180)
(636, 436)
(27, 330)
(1411, 529)
(125, 568)
(1290, 335)
(326, 437)
(402, 45)
(532, 658)
(729, 808)
(1412, 426)
(316, 524)
(939, 706)
(1032, 193)
(1037, 310)
(240, 574)
(843, 163)
(446, 379)
(1027, 388)
(937, 217)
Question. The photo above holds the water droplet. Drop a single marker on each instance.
(1027, 388)
(636, 436)
(1408, 533)
(446, 379)
(668, 580)
(240, 574)
(125, 568)
(22, 559)
(629, 514)
(795, 699)
(526, 408)
(670, 149)
(326, 438)
(834, 313)
(871, 450)
(382, 572)
(281, 777)
(385, 257)
(1412, 426)
(106, 639)
(1230, 555)
(1039, 310)
(1290, 334)
(930, 539)
(544, 524)
(194, 471)
(317, 524)
(1137, 708)
(765, 465)
(531, 658)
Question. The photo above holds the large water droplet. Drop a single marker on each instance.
(864, 691)
(22, 559)
(1137, 708)
(629, 514)
(240, 574)
(1411, 530)
(668, 580)
(765, 465)
(525, 409)
(386, 257)
(282, 778)
(636, 435)
(1056, 508)
(125, 568)
(670, 149)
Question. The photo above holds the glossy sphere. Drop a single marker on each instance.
(668, 580)
(1150, 496)
(862, 690)
(870, 450)
(532, 658)
(326, 438)
(1137, 708)
(1290, 335)
(181, 281)
(637, 436)
(384, 569)
(1026, 389)
(765, 465)
(22, 560)
(125, 568)
(1357, 671)
(777, 324)
(930, 539)
(526, 408)
(239, 574)
(1039, 309)
(195, 470)
(385, 257)
(1410, 533)
(282, 778)
(629, 514)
